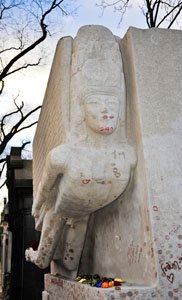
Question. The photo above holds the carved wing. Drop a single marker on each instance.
(53, 126)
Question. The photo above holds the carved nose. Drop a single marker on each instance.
(104, 109)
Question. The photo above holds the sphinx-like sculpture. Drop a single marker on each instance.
(95, 164)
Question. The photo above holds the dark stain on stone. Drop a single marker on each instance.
(170, 294)
(153, 295)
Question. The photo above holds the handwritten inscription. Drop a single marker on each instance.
(134, 253)
(155, 208)
(168, 268)
(172, 232)
(170, 278)
(57, 282)
(116, 173)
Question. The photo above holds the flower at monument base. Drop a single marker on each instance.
(105, 285)
(100, 282)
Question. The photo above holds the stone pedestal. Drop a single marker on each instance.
(57, 288)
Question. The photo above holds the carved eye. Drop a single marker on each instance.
(93, 102)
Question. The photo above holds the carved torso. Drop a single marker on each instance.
(93, 178)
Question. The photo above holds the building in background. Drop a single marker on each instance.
(20, 280)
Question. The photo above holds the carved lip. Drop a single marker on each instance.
(106, 129)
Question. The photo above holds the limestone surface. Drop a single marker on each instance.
(137, 236)
(94, 163)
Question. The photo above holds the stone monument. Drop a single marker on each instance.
(107, 165)
(93, 164)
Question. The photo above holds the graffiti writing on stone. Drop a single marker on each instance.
(168, 268)
(57, 282)
(172, 232)
(134, 253)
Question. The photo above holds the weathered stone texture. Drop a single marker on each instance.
(68, 290)
(154, 84)
(139, 236)
(92, 167)
(53, 124)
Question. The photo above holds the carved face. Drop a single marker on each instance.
(101, 113)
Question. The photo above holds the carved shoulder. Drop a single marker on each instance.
(58, 157)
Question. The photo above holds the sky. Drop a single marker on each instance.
(31, 84)
(33, 81)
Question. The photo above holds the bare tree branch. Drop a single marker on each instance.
(2, 86)
(152, 10)
(25, 38)
(19, 109)
(169, 13)
(16, 128)
(157, 4)
(24, 145)
(119, 5)
(25, 66)
(6, 71)
(3, 161)
(3, 184)
(4, 8)
(26, 127)
(149, 14)
(175, 17)
(10, 49)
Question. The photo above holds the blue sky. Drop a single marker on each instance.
(89, 13)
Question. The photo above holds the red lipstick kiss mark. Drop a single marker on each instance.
(106, 129)
(85, 181)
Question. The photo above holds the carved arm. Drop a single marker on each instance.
(54, 167)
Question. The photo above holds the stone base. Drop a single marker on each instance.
(59, 289)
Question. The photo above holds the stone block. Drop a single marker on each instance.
(61, 289)
(139, 236)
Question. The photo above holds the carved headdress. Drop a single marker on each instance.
(96, 69)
